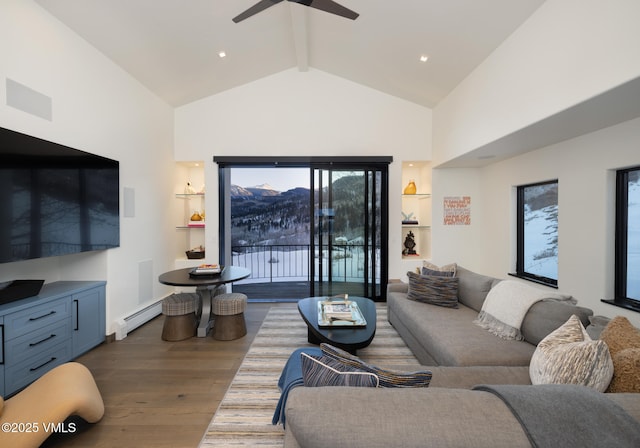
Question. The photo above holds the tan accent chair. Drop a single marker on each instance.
(66, 390)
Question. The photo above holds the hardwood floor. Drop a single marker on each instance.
(157, 393)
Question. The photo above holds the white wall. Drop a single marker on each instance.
(97, 108)
(457, 243)
(567, 52)
(585, 169)
(303, 114)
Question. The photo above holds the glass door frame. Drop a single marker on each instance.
(375, 228)
(365, 163)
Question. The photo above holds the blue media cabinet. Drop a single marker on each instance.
(65, 320)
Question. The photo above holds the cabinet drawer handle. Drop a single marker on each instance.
(77, 315)
(33, 344)
(2, 346)
(31, 319)
(33, 369)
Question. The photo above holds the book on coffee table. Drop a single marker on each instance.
(338, 311)
(340, 314)
(206, 269)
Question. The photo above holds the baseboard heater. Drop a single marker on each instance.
(126, 325)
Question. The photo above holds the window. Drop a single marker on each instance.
(627, 256)
(537, 233)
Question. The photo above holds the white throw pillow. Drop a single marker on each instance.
(569, 356)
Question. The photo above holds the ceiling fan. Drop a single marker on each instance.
(323, 5)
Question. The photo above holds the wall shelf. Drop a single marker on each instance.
(417, 207)
(189, 195)
(189, 235)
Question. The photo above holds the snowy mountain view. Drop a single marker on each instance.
(271, 231)
(541, 230)
(263, 216)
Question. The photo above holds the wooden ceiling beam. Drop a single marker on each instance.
(300, 29)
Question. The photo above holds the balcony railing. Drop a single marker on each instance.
(290, 262)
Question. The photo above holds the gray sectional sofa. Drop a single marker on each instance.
(444, 336)
(449, 413)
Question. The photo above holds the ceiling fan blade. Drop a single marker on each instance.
(329, 6)
(255, 9)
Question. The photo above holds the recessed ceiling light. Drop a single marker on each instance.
(222, 54)
(424, 58)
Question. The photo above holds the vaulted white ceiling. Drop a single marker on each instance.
(172, 46)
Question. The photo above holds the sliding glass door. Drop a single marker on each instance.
(333, 242)
(349, 232)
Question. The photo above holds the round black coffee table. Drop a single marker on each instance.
(344, 337)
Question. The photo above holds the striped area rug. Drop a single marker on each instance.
(244, 415)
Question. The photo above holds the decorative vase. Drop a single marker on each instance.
(411, 188)
(188, 189)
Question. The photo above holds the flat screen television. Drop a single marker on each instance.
(55, 200)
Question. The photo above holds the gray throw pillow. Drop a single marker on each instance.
(427, 271)
(435, 290)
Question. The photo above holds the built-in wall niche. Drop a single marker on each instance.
(190, 214)
(416, 212)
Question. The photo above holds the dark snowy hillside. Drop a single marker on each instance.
(266, 216)
(349, 206)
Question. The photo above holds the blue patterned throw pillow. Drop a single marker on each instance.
(435, 290)
(387, 378)
(319, 371)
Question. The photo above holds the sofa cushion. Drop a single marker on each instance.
(596, 325)
(436, 290)
(623, 340)
(448, 270)
(376, 418)
(508, 303)
(473, 288)
(450, 337)
(547, 315)
(320, 371)
(387, 378)
(569, 356)
(469, 376)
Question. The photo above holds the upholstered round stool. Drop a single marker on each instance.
(180, 316)
(228, 310)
